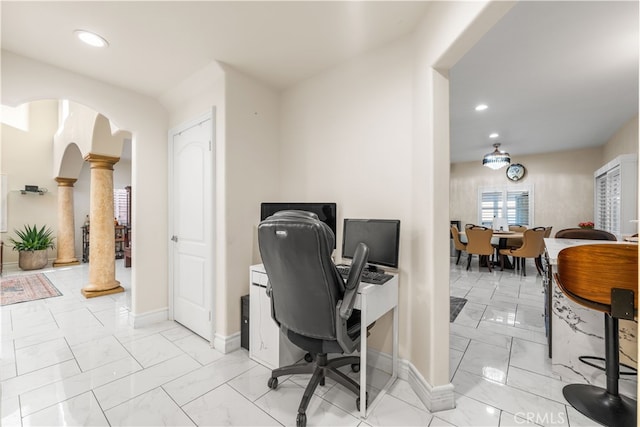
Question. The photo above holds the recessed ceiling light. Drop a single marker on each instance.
(481, 107)
(92, 39)
(494, 135)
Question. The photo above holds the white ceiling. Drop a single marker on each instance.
(556, 75)
(155, 45)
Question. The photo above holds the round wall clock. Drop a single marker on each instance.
(515, 172)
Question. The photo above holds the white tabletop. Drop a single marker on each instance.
(554, 246)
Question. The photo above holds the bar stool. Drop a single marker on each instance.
(603, 277)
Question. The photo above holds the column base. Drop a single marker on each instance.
(64, 262)
(93, 294)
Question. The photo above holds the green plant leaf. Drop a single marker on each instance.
(32, 238)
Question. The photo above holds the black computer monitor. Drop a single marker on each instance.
(326, 211)
(382, 236)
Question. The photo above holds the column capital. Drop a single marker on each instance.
(65, 182)
(100, 161)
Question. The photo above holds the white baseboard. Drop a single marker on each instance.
(438, 398)
(148, 318)
(435, 399)
(226, 344)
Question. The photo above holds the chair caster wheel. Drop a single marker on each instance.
(355, 367)
(301, 420)
(272, 383)
(308, 357)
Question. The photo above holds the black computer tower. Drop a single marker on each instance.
(244, 321)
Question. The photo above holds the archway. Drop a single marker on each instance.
(25, 80)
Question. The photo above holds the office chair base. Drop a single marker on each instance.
(601, 406)
(321, 368)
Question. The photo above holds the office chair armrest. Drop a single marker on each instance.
(347, 343)
(360, 258)
(344, 308)
(345, 305)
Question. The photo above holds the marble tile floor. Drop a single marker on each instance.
(72, 361)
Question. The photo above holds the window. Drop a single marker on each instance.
(513, 203)
(121, 206)
(608, 191)
(616, 196)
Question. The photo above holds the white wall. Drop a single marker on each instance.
(562, 186)
(252, 166)
(623, 141)
(346, 138)
(27, 157)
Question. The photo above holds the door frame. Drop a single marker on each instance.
(211, 264)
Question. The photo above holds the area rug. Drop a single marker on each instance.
(30, 287)
(455, 306)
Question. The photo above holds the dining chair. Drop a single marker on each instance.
(515, 243)
(585, 233)
(532, 247)
(457, 243)
(547, 234)
(479, 243)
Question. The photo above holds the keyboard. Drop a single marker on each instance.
(372, 277)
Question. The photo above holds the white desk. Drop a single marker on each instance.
(373, 301)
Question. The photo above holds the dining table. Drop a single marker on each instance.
(499, 241)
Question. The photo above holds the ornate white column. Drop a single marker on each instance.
(66, 229)
(102, 263)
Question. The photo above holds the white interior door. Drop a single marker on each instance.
(191, 204)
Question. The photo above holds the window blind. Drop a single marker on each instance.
(510, 203)
(518, 207)
(608, 192)
(491, 207)
(121, 206)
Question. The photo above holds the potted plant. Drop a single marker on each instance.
(32, 245)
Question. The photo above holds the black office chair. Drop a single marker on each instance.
(309, 299)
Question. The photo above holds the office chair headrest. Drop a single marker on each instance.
(297, 215)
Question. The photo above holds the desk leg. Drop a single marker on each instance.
(394, 368)
(363, 358)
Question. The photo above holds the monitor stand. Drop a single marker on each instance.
(373, 269)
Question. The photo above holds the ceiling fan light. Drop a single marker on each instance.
(496, 159)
